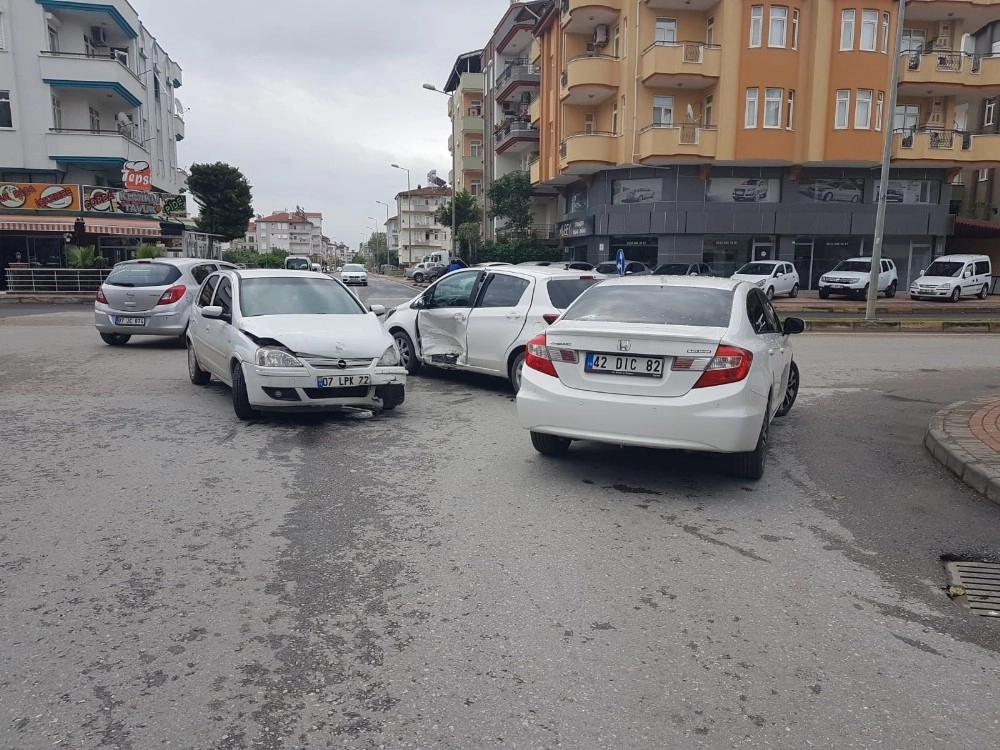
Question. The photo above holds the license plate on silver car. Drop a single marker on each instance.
(125, 320)
(343, 381)
(615, 364)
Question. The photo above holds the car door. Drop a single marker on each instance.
(767, 326)
(197, 327)
(497, 319)
(443, 317)
(969, 283)
(216, 336)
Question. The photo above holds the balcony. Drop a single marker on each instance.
(677, 144)
(178, 127)
(682, 4)
(943, 148)
(942, 72)
(81, 71)
(590, 79)
(92, 147)
(451, 144)
(535, 172)
(472, 163)
(586, 153)
(516, 136)
(472, 123)
(535, 111)
(176, 75)
(123, 15)
(692, 65)
(516, 79)
(584, 16)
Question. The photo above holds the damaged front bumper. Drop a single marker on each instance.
(283, 388)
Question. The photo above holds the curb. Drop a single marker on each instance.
(957, 457)
(902, 326)
(46, 299)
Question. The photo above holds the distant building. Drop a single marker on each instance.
(297, 233)
(419, 233)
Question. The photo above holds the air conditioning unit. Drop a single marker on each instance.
(98, 36)
(509, 108)
(601, 35)
(525, 97)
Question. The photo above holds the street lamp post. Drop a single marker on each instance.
(371, 252)
(454, 167)
(409, 210)
(386, 230)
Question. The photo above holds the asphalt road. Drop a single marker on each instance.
(171, 577)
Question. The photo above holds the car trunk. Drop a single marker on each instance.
(138, 287)
(637, 352)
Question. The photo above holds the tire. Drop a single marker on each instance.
(855, 198)
(827, 197)
(956, 294)
(890, 291)
(241, 402)
(770, 292)
(115, 339)
(418, 278)
(791, 392)
(550, 445)
(750, 465)
(407, 352)
(515, 370)
(824, 293)
(984, 291)
(795, 292)
(197, 375)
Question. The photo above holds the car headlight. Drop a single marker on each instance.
(824, 279)
(761, 283)
(276, 358)
(944, 286)
(390, 357)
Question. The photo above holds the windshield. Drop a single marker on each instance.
(143, 274)
(607, 268)
(863, 266)
(672, 269)
(662, 305)
(562, 292)
(297, 264)
(354, 268)
(296, 296)
(941, 268)
(757, 269)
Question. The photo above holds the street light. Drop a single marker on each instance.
(386, 229)
(409, 209)
(370, 251)
(454, 165)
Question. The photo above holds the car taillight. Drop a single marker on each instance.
(729, 365)
(550, 318)
(172, 295)
(539, 356)
(587, 278)
(101, 298)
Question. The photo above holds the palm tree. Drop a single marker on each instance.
(80, 257)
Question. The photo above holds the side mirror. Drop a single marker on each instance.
(419, 303)
(793, 325)
(377, 309)
(921, 273)
(214, 312)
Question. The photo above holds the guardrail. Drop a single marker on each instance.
(55, 280)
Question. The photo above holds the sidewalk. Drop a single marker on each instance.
(965, 437)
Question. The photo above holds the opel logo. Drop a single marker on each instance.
(624, 345)
(342, 364)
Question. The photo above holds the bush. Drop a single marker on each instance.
(517, 251)
(80, 257)
(148, 252)
(101, 262)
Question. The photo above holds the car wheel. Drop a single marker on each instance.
(515, 371)
(824, 293)
(791, 391)
(795, 291)
(418, 278)
(407, 353)
(750, 465)
(827, 197)
(241, 401)
(855, 198)
(956, 294)
(115, 339)
(197, 375)
(890, 292)
(550, 445)
(770, 292)
(984, 291)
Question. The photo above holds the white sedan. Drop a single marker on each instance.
(680, 362)
(773, 276)
(354, 273)
(292, 340)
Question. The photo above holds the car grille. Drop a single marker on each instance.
(841, 281)
(329, 363)
(358, 391)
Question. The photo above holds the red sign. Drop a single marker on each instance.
(137, 175)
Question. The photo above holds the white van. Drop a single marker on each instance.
(954, 277)
(297, 263)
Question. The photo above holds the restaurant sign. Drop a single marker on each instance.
(118, 201)
(37, 196)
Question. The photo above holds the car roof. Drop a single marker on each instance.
(962, 257)
(171, 261)
(704, 282)
(541, 271)
(281, 273)
(768, 260)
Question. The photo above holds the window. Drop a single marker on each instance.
(869, 30)
(756, 24)
(710, 30)
(475, 148)
(588, 122)
(616, 45)
(95, 120)
(847, 30)
(202, 272)
(6, 116)
(879, 110)
(614, 118)
(751, 113)
(913, 41)
(772, 108)
(789, 111)
(663, 111)
(779, 22)
(475, 188)
(885, 32)
(666, 30)
(795, 28)
(989, 115)
(863, 110)
(906, 117)
(2, 45)
(503, 291)
(89, 47)
(53, 39)
(709, 106)
(843, 105)
(56, 114)
(762, 320)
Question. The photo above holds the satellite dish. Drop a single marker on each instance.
(123, 119)
(690, 113)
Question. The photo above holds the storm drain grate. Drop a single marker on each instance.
(975, 585)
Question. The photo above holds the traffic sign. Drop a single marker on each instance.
(620, 262)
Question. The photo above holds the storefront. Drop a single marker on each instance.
(726, 253)
(644, 249)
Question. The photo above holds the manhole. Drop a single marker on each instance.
(975, 585)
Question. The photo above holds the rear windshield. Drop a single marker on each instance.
(757, 269)
(646, 303)
(672, 269)
(562, 292)
(607, 268)
(864, 266)
(354, 268)
(296, 296)
(143, 274)
(297, 264)
(944, 268)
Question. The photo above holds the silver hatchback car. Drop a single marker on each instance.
(150, 297)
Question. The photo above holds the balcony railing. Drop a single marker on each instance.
(55, 280)
(515, 129)
(937, 138)
(518, 68)
(126, 132)
(96, 56)
(691, 52)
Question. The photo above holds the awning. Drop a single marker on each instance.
(36, 224)
(967, 227)
(123, 227)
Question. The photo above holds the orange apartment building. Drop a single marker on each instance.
(465, 109)
(721, 131)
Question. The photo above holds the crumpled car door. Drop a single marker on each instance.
(442, 322)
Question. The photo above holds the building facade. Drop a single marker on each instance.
(721, 131)
(419, 232)
(465, 109)
(297, 233)
(392, 234)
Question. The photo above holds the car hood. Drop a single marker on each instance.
(358, 336)
(753, 278)
(932, 280)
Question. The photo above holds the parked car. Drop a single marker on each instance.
(481, 319)
(292, 341)
(150, 297)
(954, 276)
(570, 265)
(490, 265)
(684, 269)
(297, 263)
(751, 190)
(637, 195)
(422, 272)
(852, 278)
(685, 363)
(354, 273)
(632, 268)
(833, 190)
(773, 276)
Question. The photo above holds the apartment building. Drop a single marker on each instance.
(722, 131)
(419, 232)
(85, 89)
(392, 234)
(297, 233)
(465, 109)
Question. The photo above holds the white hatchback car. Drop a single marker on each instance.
(292, 340)
(852, 277)
(480, 319)
(772, 276)
(677, 362)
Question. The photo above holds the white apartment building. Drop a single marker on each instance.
(392, 234)
(419, 233)
(297, 233)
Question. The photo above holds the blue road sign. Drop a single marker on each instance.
(620, 262)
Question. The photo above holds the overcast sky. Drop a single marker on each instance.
(314, 99)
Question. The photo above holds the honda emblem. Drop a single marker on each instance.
(624, 345)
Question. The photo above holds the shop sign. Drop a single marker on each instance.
(635, 242)
(117, 201)
(175, 205)
(37, 196)
(576, 228)
(137, 175)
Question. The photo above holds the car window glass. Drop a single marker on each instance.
(143, 275)
(200, 273)
(773, 321)
(224, 296)
(205, 298)
(296, 296)
(756, 312)
(454, 290)
(503, 291)
(654, 304)
(562, 292)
